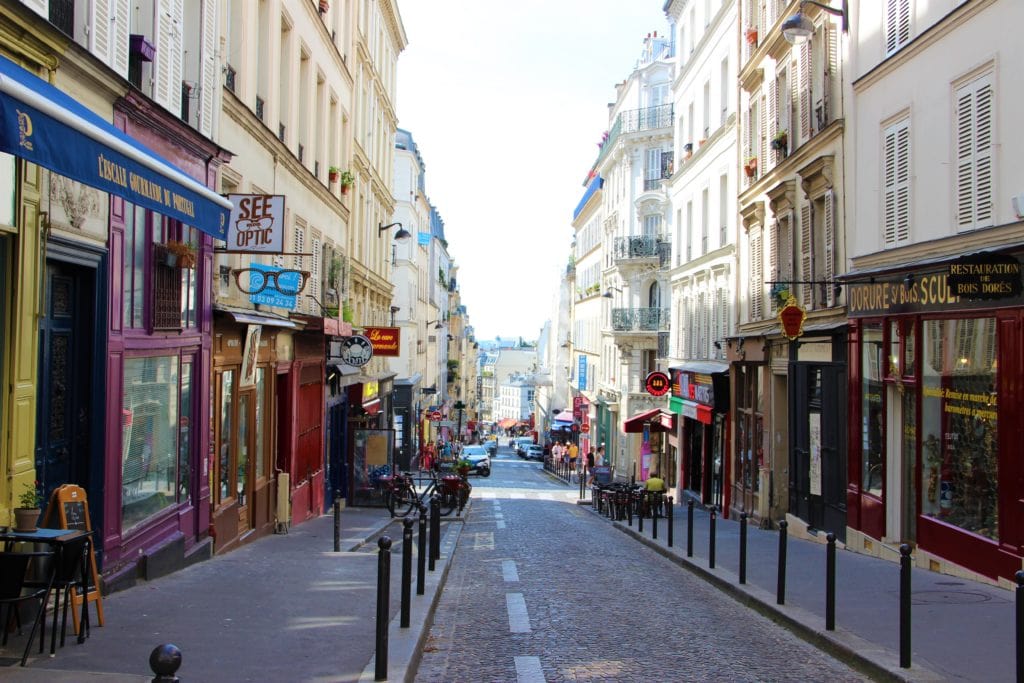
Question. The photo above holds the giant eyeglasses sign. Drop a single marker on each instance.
(271, 285)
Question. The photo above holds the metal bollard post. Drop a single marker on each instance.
(583, 491)
(640, 515)
(337, 525)
(655, 502)
(1020, 625)
(383, 602)
(905, 606)
(743, 547)
(830, 582)
(689, 528)
(421, 556)
(630, 504)
(671, 519)
(435, 530)
(406, 570)
(164, 662)
(711, 539)
(780, 592)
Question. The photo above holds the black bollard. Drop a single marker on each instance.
(711, 539)
(406, 570)
(583, 491)
(671, 519)
(640, 512)
(383, 602)
(655, 502)
(435, 520)
(164, 662)
(780, 594)
(689, 528)
(905, 606)
(743, 547)
(421, 555)
(337, 525)
(830, 582)
(1020, 625)
(630, 503)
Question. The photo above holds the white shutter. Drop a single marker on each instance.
(973, 118)
(177, 47)
(764, 166)
(772, 120)
(804, 85)
(119, 40)
(756, 276)
(721, 318)
(314, 275)
(773, 257)
(829, 228)
(162, 65)
(806, 255)
(831, 82)
(208, 69)
(745, 133)
(298, 244)
(896, 184)
(897, 25)
(100, 27)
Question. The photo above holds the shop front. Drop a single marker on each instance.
(652, 426)
(700, 396)
(371, 451)
(937, 414)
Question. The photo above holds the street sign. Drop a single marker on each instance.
(435, 416)
(585, 428)
(657, 384)
(575, 427)
(446, 423)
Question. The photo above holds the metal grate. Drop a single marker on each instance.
(260, 105)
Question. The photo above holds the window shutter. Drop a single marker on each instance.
(101, 30)
(897, 25)
(889, 181)
(314, 274)
(974, 154)
(756, 276)
(803, 82)
(772, 120)
(119, 46)
(806, 254)
(829, 228)
(763, 166)
(208, 69)
(162, 65)
(299, 245)
(896, 179)
(721, 318)
(831, 82)
(773, 256)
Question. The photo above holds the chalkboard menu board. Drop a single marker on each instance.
(75, 515)
(70, 506)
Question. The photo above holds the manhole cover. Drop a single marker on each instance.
(948, 597)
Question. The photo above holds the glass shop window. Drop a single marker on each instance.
(873, 369)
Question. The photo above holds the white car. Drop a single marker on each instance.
(477, 455)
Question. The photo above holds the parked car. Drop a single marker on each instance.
(491, 446)
(478, 456)
(534, 452)
(521, 444)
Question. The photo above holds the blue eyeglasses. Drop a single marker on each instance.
(287, 282)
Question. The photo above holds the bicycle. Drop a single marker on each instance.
(400, 495)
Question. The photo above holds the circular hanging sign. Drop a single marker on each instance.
(356, 350)
(657, 384)
(575, 427)
(585, 428)
(792, 318)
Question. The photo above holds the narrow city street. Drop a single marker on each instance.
(542, 589)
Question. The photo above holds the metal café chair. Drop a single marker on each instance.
(17, 588)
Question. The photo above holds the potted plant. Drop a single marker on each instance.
(175, 254)
(332, 174)
(346, 312)
(751, 35)
(463, 466)
(751, 167)
(324, 6)
(347, 179)
(779, 142)
(29, 504)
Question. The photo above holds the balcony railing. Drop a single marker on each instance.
(663, 344)
(636, 120)
(639, 319)
(664, 254)
(636, 247)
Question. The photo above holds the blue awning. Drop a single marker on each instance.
(44, 125)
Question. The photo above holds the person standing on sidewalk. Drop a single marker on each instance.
(573, 457)
(589, 469)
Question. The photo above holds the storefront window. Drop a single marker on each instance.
(133, 284)
(150, 433)
(874, 364)
(260, 415)
(749, 429)
(227, 380)
(959, 476)
(184, 433)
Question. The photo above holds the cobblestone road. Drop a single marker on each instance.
(543, 590)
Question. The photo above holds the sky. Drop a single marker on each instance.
(507, 102)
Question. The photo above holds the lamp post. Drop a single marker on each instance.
(459, 406)
(798, 29)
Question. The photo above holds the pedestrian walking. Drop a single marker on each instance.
(590, 468)
(573, 457)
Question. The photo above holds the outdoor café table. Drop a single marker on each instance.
(57, 539)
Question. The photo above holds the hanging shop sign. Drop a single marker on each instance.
(256, 225)
(386, 340)
(792, 317)
(985, 276)
(657, 384)
(582, 374)
(356, 350)
(271, 285)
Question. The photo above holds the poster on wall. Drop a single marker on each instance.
(249, 355)
(815, 450)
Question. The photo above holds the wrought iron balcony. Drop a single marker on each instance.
(637, 247)
(640, 319)
(635, 121)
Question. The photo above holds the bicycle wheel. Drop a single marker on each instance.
(449, 499)
(403, 501)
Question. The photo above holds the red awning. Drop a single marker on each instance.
(506, 423)
(372, 407)
(658, 421)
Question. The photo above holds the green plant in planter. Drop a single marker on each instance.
(780, 292)
(347, 178)
(346, 312)
(333, 271)
(32, 498)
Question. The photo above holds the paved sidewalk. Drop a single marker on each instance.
(285, 607)
(961, 630)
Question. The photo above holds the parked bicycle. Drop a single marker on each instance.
(401, 495)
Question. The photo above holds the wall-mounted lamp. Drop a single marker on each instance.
(402, 235)
(394, 309)
(798, 29)
(608, 292)
(451, 338)
(437, 326)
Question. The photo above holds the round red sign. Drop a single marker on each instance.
(657, 384)
(585, 428)
(575, 428)
(435, 416)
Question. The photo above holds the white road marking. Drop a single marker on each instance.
(518, 619)
(508, 571)
(483, 540)
(528, 670)
(498, 515)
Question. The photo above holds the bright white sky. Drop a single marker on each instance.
(507, 101)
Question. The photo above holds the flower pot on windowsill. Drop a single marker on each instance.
(25, 519)
(751, 171)
(751, 35)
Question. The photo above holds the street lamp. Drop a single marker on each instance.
(798, 29)
(437, 326)
(402, 235)
(608, 292)
(394, 309)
